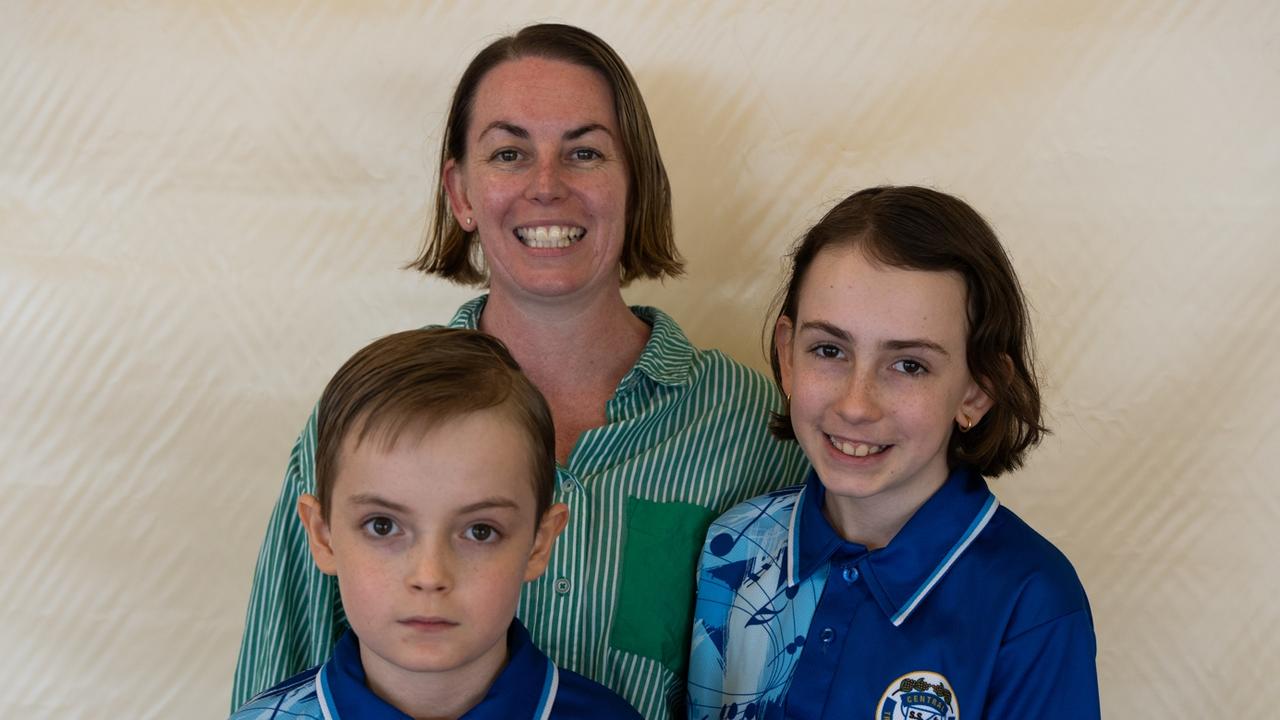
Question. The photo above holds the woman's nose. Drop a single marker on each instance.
(547, 183)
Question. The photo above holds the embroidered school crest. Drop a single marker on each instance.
(919, 695)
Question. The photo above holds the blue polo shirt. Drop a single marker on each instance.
(966, 613)
(529, 686)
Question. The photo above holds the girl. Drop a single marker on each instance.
(892, 584)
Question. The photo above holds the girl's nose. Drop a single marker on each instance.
(860, 400)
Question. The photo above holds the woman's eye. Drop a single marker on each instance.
(586, 154)
(507, 156)
(910, 367)
(380, 526)
(481, 532)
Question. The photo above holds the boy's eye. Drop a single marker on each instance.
(480, 532)
(910, 367)
(380, 526)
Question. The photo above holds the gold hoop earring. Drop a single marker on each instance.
(966, 424)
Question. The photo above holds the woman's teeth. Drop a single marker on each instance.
(856, 449)
(549, 236)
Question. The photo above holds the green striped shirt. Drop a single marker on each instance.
(685, 439)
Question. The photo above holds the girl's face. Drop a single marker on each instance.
(874, 363)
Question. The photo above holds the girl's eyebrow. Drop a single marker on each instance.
(905, 344)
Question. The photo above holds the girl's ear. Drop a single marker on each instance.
(455, 187)
(783, 339)
(318, 537)
(549, 528)
(977, 401)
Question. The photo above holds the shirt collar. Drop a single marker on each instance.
(342, 687)
(667, 358)
(902, 573)
(528, 674)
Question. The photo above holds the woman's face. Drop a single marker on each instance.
(544, 180)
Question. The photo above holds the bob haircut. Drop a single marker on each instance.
(916, 228)
(649, 250)
(412, 382)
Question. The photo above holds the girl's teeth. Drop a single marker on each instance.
(857, 449)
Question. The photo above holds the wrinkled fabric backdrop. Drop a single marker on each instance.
(204, 206)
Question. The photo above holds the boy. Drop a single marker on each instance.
(434, 472)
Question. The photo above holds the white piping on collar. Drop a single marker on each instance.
(793, 539)
(322, 694)
(984, 516)
(550, 686)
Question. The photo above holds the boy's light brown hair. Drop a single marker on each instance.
(415, 380)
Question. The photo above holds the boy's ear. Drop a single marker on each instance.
(317, 534)
(783, 337)
(549, 528)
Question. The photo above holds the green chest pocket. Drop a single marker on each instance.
(655, 598)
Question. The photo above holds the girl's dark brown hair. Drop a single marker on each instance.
(649, 250)
(917, 228)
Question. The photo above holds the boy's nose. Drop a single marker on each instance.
(431, 568)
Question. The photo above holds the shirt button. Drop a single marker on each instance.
(827, 635)
(566, 485)
(562, 586)
(850, 573)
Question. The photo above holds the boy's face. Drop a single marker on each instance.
(431, 540)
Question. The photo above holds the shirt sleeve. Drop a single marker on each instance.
(1048, 672)
(294, 616)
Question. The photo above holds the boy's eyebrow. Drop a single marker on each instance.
(523, 134)
(905, 344)
(489, 503)
(379, 501)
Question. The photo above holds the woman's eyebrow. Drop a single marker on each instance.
(592, 127)
(507, 127)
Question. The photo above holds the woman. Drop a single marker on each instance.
(550, 166)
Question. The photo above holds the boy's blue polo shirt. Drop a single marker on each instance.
(967, 613)
(529, 686)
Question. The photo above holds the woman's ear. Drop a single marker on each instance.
(544, 539)
(455, 187)
(783, 339)
(318, 537)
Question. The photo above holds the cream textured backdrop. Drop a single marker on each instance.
(203, 207)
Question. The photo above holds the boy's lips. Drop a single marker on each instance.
(428, 624)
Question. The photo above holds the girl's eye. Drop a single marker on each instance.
(380, 526)
(480, 532)
(827, 352)
(910, 367)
